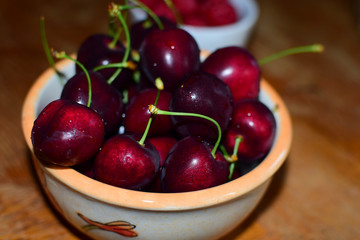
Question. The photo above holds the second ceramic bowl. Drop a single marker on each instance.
(212, 38)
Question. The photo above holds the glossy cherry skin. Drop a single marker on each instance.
(205, 94)
(169, 54)
(238, 68)
(96, 51)
(218, 13)
(255, 123)
(124, 163)
(105, 100)
(67, 133)
(137, 113)
(190, 166)
(139, 30)
(163, 145)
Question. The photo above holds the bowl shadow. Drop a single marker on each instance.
(270, 196)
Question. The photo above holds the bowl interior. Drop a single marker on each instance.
(48, 88)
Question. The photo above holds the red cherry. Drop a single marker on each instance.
(190, 166)
(137, 113)
(123, 162)
(169, 54)
(238, 68)
(256, 125)
(67, 133)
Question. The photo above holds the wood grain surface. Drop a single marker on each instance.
(315, 195)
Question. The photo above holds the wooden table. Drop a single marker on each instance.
(315, 195)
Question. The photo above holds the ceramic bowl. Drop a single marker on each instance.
(212, 38)
(107, 212)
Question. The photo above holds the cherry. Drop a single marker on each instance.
(256, 126)
(169, 54)
(205, 94)
(98, 50)
(186, 7)
(67, 133)
(195, 12)
(139, 30)
(161, 9)
(163, 145)
(192, 163)
(124, 162)
(190, 166)
(238, 68)
(127, 161)
(106, 100)
(137, 113)
(218, 13)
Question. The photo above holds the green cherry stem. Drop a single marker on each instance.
(291, 51)
(116, 37)
(234, 158)
(115, 11)
(224, 152)
(47, 48)
(128, 64)
(238, 140)
(148, 11)
(160, 86)
(154, 110)
(64, 55)
(174, 10)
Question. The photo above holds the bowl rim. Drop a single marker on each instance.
(163, 201)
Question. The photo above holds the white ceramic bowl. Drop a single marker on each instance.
(212, 38)
(99, 209)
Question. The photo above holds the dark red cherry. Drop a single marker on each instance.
(218, 13)
(67, 133)
(255, 123)
(238, 68)
(137, 113)
(169, 54)
(97, 51)
(190, 166)
(124, 163)
(163, 145)
(205, 94)
(105, 100)
(139, 30)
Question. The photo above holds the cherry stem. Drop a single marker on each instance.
(234, 157)
(154, 110)
(115, 10)
(116, 37)
(47, 48)
(148, 11)
(174, 10)
(128, 64)
(112, 27)
(224, 152)
(291, 51)
(231, 171)
(160, 86)
(64, 55)
(238, 140)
